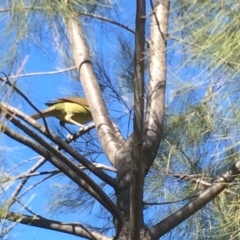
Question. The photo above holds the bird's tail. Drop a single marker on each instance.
(46, 113)
(36, 116)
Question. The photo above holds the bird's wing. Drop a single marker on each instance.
(77, 100)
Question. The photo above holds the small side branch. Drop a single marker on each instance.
(24, 181)
(205, 197)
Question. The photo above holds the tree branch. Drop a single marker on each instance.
(42, 73)
(197, 179)
(53, 172)
(104, 19)
(205, 197)
(63, 145)
(136, 190)
(72, 228)
(34, 185)
(24, 181)
(81, 56)
(157, 81)
(62, 163)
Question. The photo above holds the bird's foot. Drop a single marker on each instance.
(82, 130)
(71, 137)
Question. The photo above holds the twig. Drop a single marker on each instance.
(24, 181)
(169, 202)
(42, 73)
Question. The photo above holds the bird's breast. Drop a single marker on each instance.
(80, 114)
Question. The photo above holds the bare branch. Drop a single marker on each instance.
(6, 80)
(53, 172)
(78, 134)
(42, 73)
(205, 197)
(197, 178)
(25, 207)
(169, 202)
(106, 130)
(72, 228)
(107, 20)
(36, 174)
(157, 81)
(34, 185)
(24, 181)
(137, 175)
(62, 145)
(62, 163)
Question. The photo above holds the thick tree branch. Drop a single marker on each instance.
(72, 228)
(62, 163)
(63, 145)
(81, 56)
(136, 190)
(157, 81)
(205, 197)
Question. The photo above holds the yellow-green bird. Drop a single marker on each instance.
(73, 110)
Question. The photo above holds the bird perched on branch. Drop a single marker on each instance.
(73, 110)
